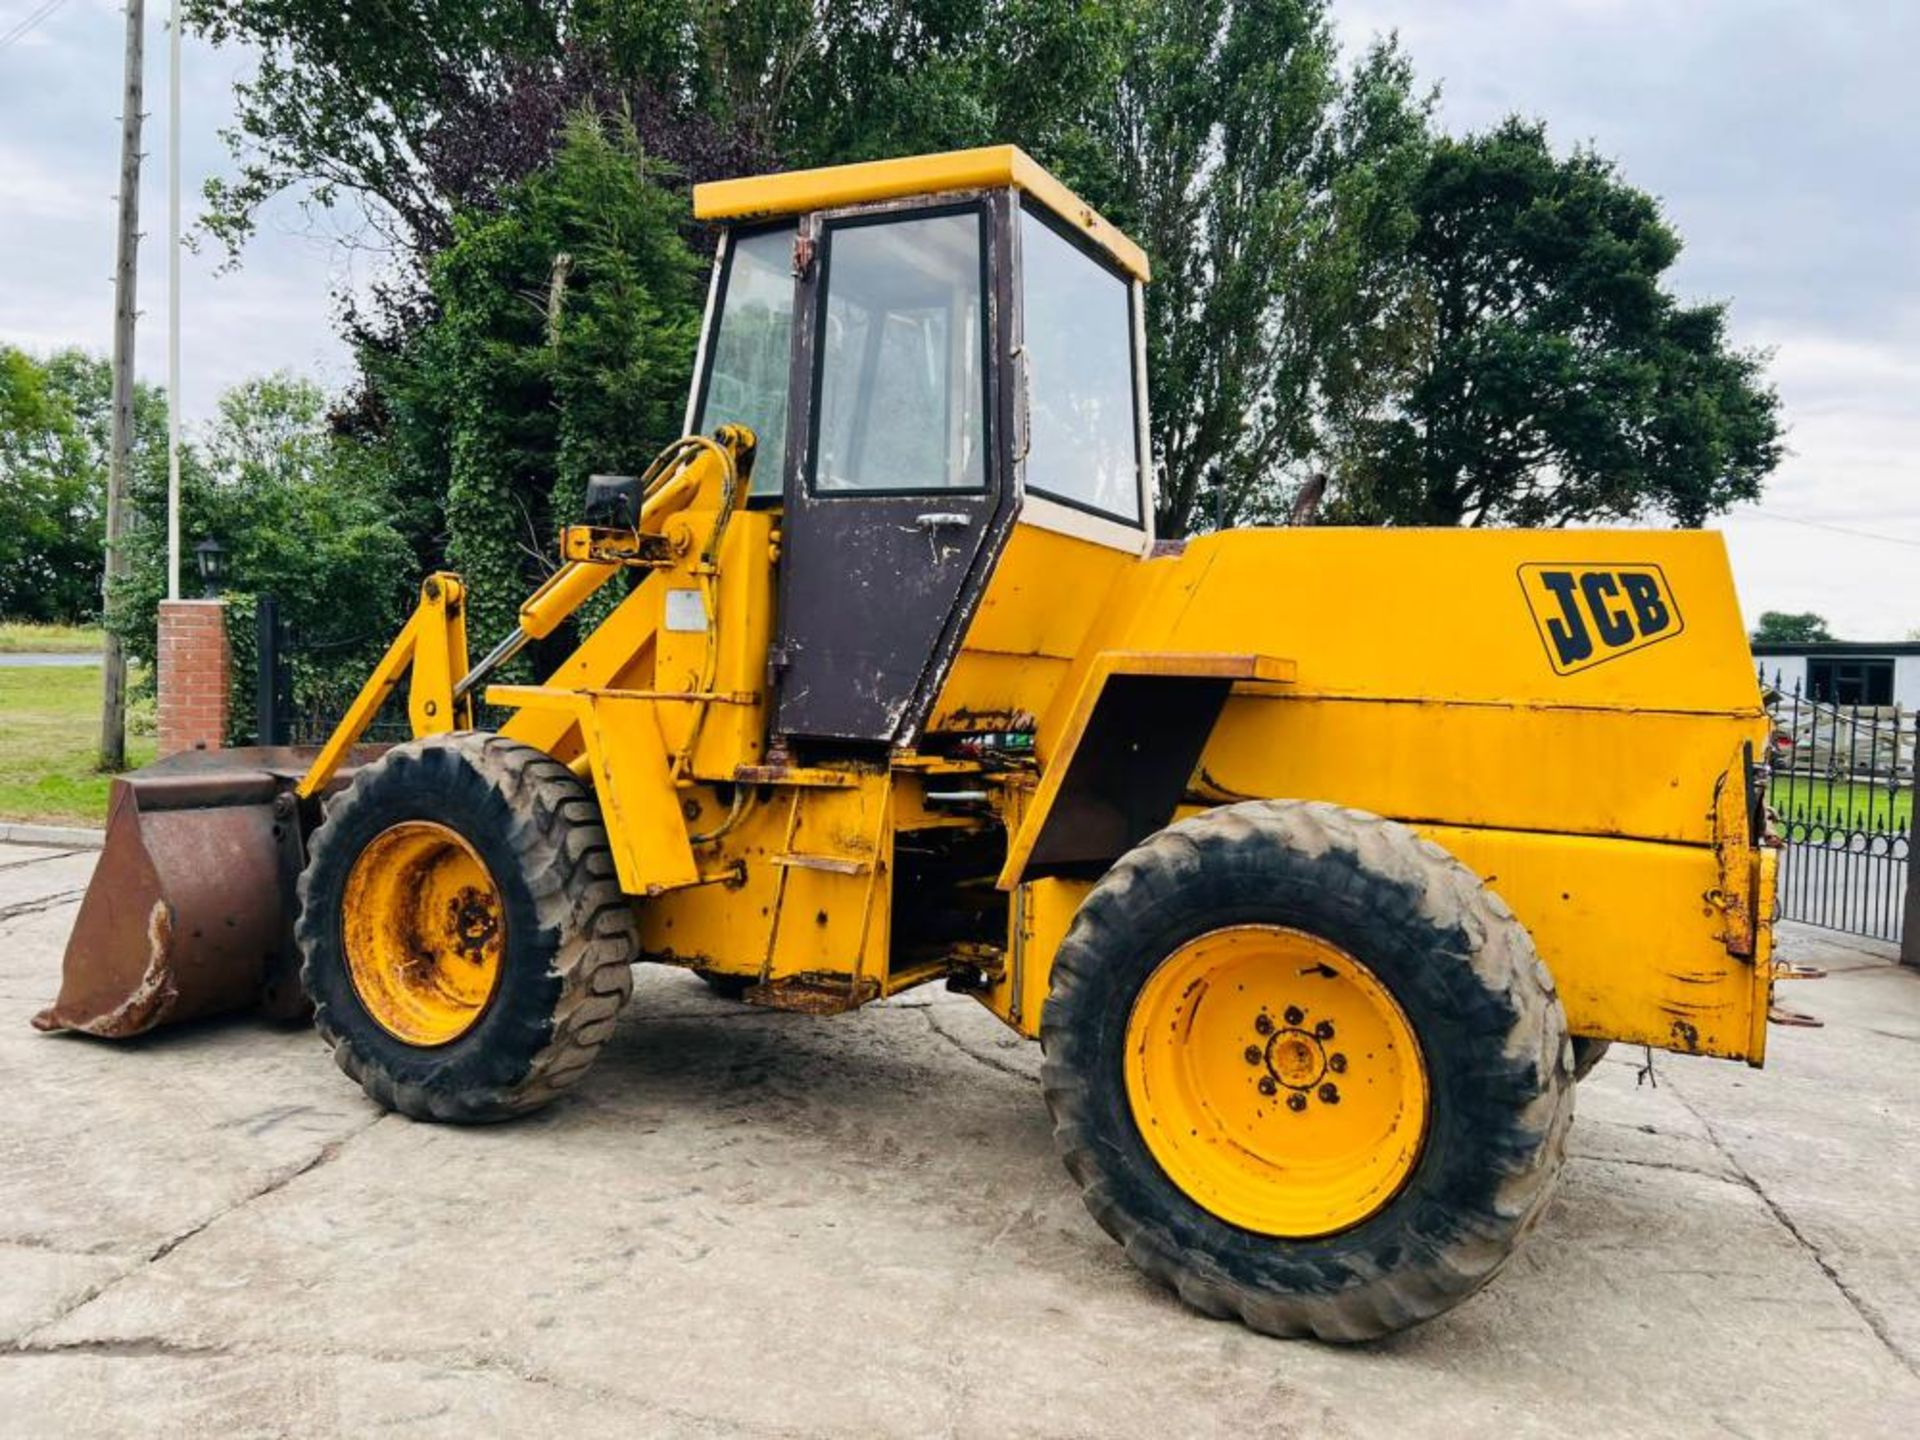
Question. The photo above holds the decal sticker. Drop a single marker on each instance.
(1589, 614)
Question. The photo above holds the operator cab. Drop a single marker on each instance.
(931, 351)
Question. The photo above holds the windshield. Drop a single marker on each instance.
(746, 381)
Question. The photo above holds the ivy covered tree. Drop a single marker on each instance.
(563, 333)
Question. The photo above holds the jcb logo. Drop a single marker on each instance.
(1591, 613)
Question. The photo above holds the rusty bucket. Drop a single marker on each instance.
(190, 910)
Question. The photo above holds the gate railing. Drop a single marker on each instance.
(1841, 781)
(303, 685)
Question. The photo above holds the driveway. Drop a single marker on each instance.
(748, 1223)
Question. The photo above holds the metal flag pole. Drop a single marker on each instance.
(173, 302)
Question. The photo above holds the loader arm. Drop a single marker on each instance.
(433, 646)
(431, 649)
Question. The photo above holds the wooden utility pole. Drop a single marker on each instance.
(113, 707)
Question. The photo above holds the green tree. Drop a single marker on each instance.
(567, 321)
(1551, 379)
(55, 424)
(415, 113)
(304, 515)
(1780, 627)
(1266, 187)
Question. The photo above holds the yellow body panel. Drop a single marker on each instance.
(1045, 597)
(807, 897)
(990, 167)
(1630, 933)
(1427, 685)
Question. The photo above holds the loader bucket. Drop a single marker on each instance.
(190, 911)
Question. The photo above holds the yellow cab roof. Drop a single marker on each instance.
(991, 167)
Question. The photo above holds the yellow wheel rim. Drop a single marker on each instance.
(1276, 1081)
(425, 930)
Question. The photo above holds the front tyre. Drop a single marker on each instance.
(1307, 1069)
(462, 935)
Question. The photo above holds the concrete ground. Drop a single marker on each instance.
(761, 1224)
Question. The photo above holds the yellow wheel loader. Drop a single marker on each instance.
(1316, 859)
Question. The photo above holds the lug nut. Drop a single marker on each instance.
(1296, 1102)
(1263, 1024)
(1295, 1014)
(1330, 1093)
(1323, 1031)
(1267, 1087)
(1254, 1056)
(1337, 1063)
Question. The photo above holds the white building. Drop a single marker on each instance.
(1845, 672)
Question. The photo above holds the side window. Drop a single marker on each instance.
(901, 397)
(746, 381)
(1084, 442)
(1851, 682)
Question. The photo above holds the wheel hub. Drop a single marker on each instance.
(424, 931)
(1295, 1059)
(1276, 1080)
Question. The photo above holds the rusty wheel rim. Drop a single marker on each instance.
(425, 933)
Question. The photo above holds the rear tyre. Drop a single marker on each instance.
(1198, 1003)
(462, 934)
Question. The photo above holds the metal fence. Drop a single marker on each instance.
(1841, 780)
(303, 684)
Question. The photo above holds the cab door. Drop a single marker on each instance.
(894, 501)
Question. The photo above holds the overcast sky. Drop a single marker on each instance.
(1779, 134)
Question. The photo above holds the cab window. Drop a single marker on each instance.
(900, 399)
(746, 380)
(1083, 434)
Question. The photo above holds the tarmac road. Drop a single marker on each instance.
(757, 1224)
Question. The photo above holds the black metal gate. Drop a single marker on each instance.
(304, 684)
(1841, 780)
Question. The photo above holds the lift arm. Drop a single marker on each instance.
(433, 643)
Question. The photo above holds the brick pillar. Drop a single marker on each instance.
(196, 669)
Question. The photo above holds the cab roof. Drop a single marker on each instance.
(991, 167)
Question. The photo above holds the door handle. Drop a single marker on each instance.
(941, 520)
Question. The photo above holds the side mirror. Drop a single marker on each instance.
(613, 501)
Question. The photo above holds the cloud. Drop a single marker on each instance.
(59, 170)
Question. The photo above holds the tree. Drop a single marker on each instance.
(565, 329)
(55, 420)
(416, 113)
(1265, 187)
(304, 515)
(1552, 380)
(1780, 628)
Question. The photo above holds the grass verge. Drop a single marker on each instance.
(26, 637)
(1841, 803)
(49, 738)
